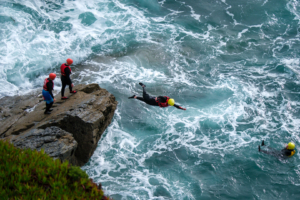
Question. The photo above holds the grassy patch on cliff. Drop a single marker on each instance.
(27, 174)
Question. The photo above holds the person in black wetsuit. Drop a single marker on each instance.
(161, 101)
(47, 92)
(286, 152)
(65, 78)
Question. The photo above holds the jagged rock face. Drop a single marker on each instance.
(85, 115)
(56, 142)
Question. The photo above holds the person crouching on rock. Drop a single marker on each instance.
(47, 92)
(161, 101)
(65, 78)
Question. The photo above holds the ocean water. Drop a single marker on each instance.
(234, 65)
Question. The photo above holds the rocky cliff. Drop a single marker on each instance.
(71, 132)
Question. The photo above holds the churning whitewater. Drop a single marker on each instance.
(234, 66)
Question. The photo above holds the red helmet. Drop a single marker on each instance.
(69, 61)
(52, 76)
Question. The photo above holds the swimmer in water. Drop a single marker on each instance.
(286, 152)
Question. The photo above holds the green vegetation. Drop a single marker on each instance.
(27, 174)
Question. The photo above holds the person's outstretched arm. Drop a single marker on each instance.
(179, 107)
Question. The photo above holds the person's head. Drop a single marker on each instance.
(69, 61)
(52, 76)
(171, 102)
(290, 146)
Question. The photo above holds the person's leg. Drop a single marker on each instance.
(145, 95)
(63, 85)
(49, 101)
(136, 97)
(270, 151)
(144, 98)
(269, 148)
(48, 106)
(266, 152)
(141, 99)
(70, 88)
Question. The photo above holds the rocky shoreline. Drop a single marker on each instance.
(71, 132)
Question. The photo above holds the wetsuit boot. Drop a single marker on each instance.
(71, 90)
(141, 84)
(48, 106)
(131, 97)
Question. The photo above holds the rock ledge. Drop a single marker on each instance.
(71, 132)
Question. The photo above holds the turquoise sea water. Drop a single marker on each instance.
(233, 64)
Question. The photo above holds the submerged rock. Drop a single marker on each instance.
(83, 117)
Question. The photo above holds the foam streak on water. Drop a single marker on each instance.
(234, 65)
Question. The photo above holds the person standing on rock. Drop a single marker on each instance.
(47, 92)
(161, 101)
(65, 78)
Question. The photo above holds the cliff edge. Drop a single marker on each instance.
(71, 132)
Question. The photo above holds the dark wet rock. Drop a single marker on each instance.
(85, 115)
(56, 142)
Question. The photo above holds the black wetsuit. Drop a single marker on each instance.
(151, 100)
(284, 153)
(287, 152)
(65, 80)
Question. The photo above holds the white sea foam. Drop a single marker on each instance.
(38, 48)
(293, 7)
(240, 33)
(231, 15)
(195, 16)
(266, 1)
